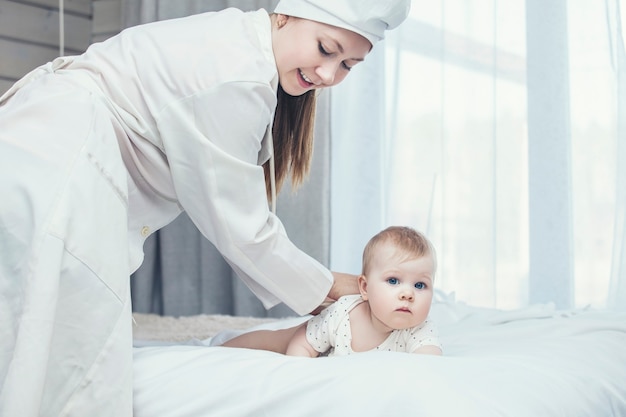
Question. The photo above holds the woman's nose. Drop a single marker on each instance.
(327, 72)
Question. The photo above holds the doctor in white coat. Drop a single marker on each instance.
(207, 114)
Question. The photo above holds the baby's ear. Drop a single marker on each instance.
(281, 20)
(362, 281)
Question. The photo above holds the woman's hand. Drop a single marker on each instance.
(344, 284)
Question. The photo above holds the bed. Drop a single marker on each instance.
(533, 362)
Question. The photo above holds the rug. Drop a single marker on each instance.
(179, 329)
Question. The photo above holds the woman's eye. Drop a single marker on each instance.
(393, 281)
(346, 66)
(323, 50)
(420, 285)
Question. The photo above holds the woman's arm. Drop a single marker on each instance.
(213, 162)
(343, 284)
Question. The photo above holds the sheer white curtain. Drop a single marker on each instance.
(501, 130)
(357, 160)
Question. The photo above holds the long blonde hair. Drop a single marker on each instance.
(292, 133)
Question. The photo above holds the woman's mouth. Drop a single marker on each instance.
(304, 81)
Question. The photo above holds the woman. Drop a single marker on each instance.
(100, 150)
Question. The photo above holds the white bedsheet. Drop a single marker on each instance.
(535, 362)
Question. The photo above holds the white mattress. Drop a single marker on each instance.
(535, 362)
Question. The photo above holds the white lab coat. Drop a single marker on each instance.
(99, 151)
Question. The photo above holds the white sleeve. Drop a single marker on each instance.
(212, 141)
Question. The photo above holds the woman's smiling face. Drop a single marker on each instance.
(312, 55)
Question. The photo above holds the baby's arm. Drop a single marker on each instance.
(424, 339)
(300, 346)
(428, 350)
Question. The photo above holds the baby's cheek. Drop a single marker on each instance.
(424, 307)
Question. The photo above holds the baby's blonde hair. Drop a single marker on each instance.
(411, 243)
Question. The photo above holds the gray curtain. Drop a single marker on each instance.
(183, 274)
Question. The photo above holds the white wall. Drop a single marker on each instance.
(29, 31)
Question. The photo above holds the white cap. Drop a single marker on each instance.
(368, 18)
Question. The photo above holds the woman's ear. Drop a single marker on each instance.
(362, 281)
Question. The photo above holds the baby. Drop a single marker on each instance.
(390, 313)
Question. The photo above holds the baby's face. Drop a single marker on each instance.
(399, 290)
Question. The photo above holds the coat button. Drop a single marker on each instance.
(145, 231)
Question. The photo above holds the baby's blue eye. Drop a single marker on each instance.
(420, 285)
(393, 281)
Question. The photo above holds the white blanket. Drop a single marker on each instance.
(535, 362)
